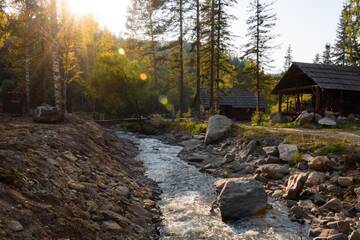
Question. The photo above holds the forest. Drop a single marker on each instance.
(170, 52)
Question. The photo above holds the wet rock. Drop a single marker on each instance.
(240, 197)
(217, 127)
(287, 151)
(294, 186)
(242, 168)
(274, 171)
(15, 226)
(326, 121)
(320, 163)
(196, 158)
(191, 144)
(298, 212)
(247, 150)
(315, 232)
(345, 181)
(271, 151)
(333, 204)
(355, 235)
(47, 114)
(315, 178)
(260, 178)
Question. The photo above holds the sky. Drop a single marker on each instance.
(306, 25)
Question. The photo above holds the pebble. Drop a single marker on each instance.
(345, 181)
(15, 226)
(112, 226)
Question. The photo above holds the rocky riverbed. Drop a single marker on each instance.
(323, 191)
(72, 181)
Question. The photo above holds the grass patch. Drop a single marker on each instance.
(189, 126)
(332, 148)
(296, 158)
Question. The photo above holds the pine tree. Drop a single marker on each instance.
(58, 96)
(317, 59)
(260, 27)
(327, 55)
(288, 58)
(342, 40)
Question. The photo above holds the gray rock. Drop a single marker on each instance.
(274, 171)
(342, 226)
(271, 151)
(345, 181)
(70, 156)
(315, 178)
(327, 122)
(357, 191)
(305, 118)
(240, 197)
(355, 235)
(191, 144)
(247, 150)
(333, 204)
(217, 127)
(272, 159)
(299, 212)
(287, 151)
(320, 163)
(15, 226)
(295, 185)
(111, 225)
(47, 114)
(277, 117)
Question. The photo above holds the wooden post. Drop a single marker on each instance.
(280, 101)
(317, 99)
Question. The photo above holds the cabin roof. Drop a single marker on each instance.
(325, 76)
(233, 97)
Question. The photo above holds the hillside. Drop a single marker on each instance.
(71, 181)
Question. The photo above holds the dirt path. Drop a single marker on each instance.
(336, 134)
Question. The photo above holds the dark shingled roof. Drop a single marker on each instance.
(234, 97)
(327, 76)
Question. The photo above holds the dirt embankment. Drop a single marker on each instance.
(71, 181)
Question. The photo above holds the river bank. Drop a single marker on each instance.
(72, 181)
(322, 191)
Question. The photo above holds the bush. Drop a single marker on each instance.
(260, 119)
(297, 158)
(332, 148)
(190, 126)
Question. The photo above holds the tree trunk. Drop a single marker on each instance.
(181, 84)
(212, 57)
(27, 57)
(198, 57)
(56, 61)
(258, 57)
(153, 49)
(218, 52)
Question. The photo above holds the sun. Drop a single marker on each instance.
(109, 13)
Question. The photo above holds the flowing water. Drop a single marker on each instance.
(187, 195)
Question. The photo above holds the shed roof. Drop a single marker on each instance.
(233, 97)
(326, 76)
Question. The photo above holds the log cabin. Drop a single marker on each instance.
(330, 87)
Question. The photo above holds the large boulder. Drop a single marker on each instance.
(277, 117)
(295, 186)
(326, 121)
(305, 118)
(47, 114)
(274, 171)
(240, 197)
(217, 128)
(287, 151)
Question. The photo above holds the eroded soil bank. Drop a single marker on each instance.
(72, 181)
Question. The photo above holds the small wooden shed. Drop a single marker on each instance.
(235, 103)
(332, 87)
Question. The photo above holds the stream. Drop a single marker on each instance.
(187, 195)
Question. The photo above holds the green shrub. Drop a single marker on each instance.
(296, 158)
(190, 126)
(332, 148)
(260, 119)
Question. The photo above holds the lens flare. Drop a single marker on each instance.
(121, 51)
(143, 76)
(164, 100)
